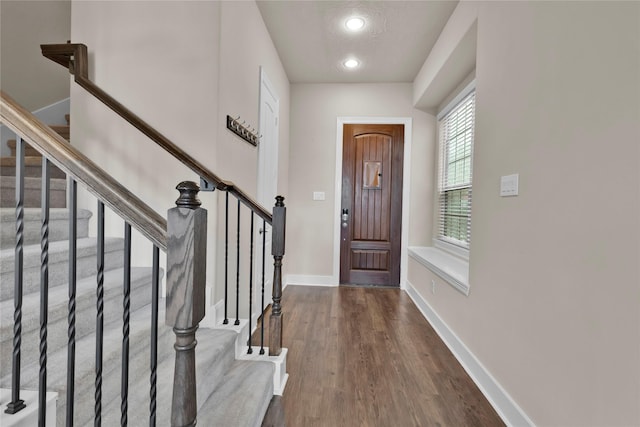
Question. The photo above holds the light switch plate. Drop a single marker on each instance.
(509, 185)
(318, 195)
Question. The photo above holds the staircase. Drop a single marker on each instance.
(230, 392)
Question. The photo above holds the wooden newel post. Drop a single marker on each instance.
(277, 250)
(186, 269)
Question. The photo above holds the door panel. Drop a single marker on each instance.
(371, 204)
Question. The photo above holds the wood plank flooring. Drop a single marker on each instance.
(361, 356)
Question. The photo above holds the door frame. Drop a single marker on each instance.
(406, 177)
(263, 156)
(267, 158)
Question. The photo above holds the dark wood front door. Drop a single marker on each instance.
(371, 211)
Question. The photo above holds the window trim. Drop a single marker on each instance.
(456, 100)
(452, 248)
(448, 244)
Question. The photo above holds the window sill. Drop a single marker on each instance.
(450, 268)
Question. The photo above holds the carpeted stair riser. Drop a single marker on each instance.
(58, 313)
(58, 226)
(28, 150)
(32, 192)
(214, 358)
(242, 399)
(32, 168)
(58, 264)
(63, 131)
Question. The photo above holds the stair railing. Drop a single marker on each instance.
(79, 169)
(74, 57)
(185, 292)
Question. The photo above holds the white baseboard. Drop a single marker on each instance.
(504, 405)
(309, 280)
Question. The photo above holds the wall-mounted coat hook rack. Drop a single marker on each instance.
(243, 132)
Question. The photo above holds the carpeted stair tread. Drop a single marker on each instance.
(58, 312)
(243, 397)
(58, 263)
(58, 225)
(214, 357)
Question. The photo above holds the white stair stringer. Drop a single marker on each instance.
(280, 375)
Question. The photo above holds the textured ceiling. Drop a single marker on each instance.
(312, 40)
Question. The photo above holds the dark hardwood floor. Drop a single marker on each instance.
(361, 356)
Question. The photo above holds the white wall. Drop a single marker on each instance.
(182, 67)
(32, 80)
(554, 309)
(159, 59)
(312, 164)
(245, 46)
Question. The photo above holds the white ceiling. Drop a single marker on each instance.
(312, 40)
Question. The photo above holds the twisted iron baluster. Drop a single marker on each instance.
(126, 306)
(250, 350)
(154, 335)
(237, 322)
(264, 245)
(16, 403)
(72, 205)
(99, 317)
(226, 256)
(44, 295)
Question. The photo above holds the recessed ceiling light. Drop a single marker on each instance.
(355, 24)
(351, 63)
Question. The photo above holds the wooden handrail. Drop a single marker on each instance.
(83, 170)
(74, 57)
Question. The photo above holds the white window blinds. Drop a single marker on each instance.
(456, 154)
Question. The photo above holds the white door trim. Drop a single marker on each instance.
(267, 165)
(262, 156)
(406, 178)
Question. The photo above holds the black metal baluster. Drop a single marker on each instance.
(155, 285)
(237, 322)
(126, 306)
(250, 350)
(99, 317)
(16, 403)
(264, 245)
(226, 256)
(72, 205)
(44, 294)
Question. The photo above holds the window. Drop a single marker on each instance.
(456, 130)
